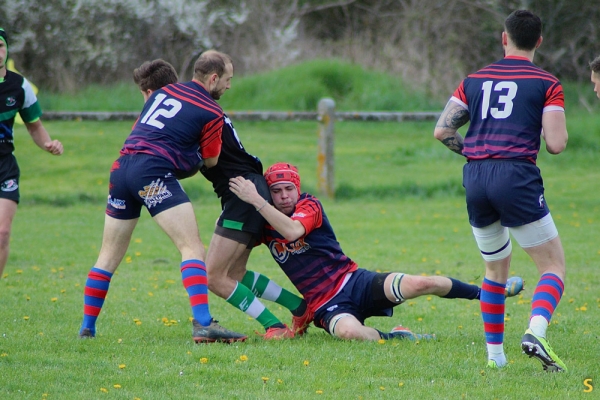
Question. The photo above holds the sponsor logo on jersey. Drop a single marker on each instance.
(333, 307)
(9, 186)
(154, 193)
(116, 203)
(10, 101)
(282, 251)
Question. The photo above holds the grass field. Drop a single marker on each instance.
(399, 207)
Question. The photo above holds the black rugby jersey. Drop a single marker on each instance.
(16, 96)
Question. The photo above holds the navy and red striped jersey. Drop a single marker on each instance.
(315, 263)
(506, 101)
(181, 123)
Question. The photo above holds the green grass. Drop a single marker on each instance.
(399, 207)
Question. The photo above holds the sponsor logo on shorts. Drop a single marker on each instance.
(541, 200)
(282, 251)
(116, 203)
(10, 101)
(9, 186)
(155, 193)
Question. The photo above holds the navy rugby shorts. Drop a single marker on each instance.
(511, 191)
(355, 298)
(142, 180)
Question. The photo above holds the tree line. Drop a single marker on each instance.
(62, 45)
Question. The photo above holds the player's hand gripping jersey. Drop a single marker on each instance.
(157, 132)
(315, 263)
(506, 101)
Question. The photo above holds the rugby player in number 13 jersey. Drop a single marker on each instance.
(511, 105)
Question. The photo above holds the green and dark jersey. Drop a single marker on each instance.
(16, 96)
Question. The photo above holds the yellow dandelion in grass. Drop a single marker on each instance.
(119, 341)
(137, 254)
(164, 320)
(117, 386)
(137, 398)
(420, 319)
(438, 272)
(243, 357)
(26, 318)
(170, 281)
(423, 273)
(4, 355)
(411, 303)
(19, 271)
(53, 270)
(27, 298)
(571, 300)
(433, 307)
(61, 268)
(35, 268)
(128, 259)
(279, 381)
(133, 289)
(460, 327)
(319, 392)
(54, 299)
(44, 395)
(381, 388)
(424, 259)
(381, 341)
(401, 384)
(63, 290)
(138, 240)
(203, 360)
(265, 379)
(104, 390)
(5, 276)
(429, 298)
(137, 321)
(150, 294)
(306, 363)
(122, 366)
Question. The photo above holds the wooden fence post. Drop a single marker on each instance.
(326, 111)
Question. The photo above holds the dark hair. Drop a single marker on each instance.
(211, 62)
(524, 29)
(595, 65)
(154, 74)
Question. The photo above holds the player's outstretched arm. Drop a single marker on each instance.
(446, 130)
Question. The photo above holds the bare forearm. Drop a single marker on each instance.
(446, 130)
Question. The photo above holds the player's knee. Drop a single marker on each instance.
(341, 327)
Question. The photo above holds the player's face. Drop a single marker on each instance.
(223, 83)
(3, 51)
(285, 197)
(596, 82)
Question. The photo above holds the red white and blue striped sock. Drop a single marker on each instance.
(193, 275)
(95, 291)
(492, 305)
(546, 297)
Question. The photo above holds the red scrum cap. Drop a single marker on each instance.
(283, 173)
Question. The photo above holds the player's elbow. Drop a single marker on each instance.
(557, 146)
(439, 133)
(211, 162)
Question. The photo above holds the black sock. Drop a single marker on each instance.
(298, 312)
(462, 290)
